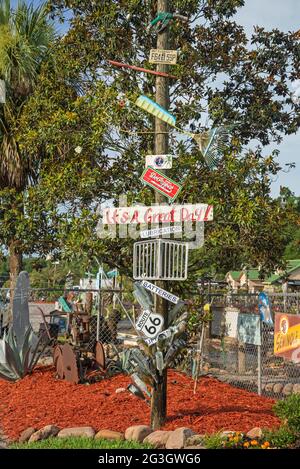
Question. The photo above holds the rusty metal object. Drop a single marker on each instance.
(70, 368)
(58, 362)
(100, 355)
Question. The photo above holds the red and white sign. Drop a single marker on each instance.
(157, 214)
(161, 183)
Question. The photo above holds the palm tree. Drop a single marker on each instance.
(25, 37)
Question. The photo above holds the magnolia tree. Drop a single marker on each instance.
(83, 118)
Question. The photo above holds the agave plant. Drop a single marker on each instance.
(20, 347)
(17, 360)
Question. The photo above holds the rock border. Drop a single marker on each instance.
(180, 438)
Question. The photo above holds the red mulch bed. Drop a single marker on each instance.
(40, 400)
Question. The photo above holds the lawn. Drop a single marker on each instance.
(79, 443)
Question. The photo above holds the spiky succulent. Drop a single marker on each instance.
(18, 359)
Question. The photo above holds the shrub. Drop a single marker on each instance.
(282, 437)
(288, 410)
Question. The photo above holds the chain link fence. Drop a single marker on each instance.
(247, 365)
(86, 316)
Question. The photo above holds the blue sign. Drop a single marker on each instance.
(264, 308)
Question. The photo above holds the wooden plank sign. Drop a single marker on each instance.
(161, 183)
(160, 292)
(161, 56)
(159, 161)
(157, 214)
(150, 324)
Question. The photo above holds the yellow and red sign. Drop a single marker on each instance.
(287, 336)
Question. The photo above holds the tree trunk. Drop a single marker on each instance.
(159, 396)
(15, 265)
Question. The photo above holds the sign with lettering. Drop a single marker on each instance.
(161, 183)
(160, 292)
(157, 214)
(159, 161)
(150, 324)
(287, 336)
(161, 56)
(160, 231)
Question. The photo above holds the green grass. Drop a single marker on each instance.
(79, 443)
(213, 441)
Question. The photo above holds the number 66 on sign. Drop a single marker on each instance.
(150, 324)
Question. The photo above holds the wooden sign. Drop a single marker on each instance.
(150, 324)
(157, 214)
(287, 336)
(160, 292)
(161, 56)
(159, 161)
(161, 183)
(160, 231)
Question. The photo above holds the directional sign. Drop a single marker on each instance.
(161, 183)
(160, 292)
(161, 56)
(160, 231)
(150, 324)
(159, 161)
(157, 214)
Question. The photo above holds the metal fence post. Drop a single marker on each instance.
(259, 361)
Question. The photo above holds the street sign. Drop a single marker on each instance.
(159, 161)
(150, 324)
(161, 183)
(157, 214)
(161, 56)
(160, 292)
(160, 231)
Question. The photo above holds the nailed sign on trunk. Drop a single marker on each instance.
(161, 183)
(161, 56)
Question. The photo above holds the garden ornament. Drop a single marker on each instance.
(162, 20)
(19, 348)
(136, 391)
(155, 109)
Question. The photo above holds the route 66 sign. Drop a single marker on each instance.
(150, 324)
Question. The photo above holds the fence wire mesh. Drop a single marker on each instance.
(251, 367)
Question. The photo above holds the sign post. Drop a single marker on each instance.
(159, 394)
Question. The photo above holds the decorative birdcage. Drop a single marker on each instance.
(160, 259)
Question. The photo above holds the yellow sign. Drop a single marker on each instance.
(287, 337)
(161, 56)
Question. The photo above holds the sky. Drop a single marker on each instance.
(284, 15)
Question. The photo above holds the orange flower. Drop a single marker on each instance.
(254, 442)
(246, 444)
(266, 444)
